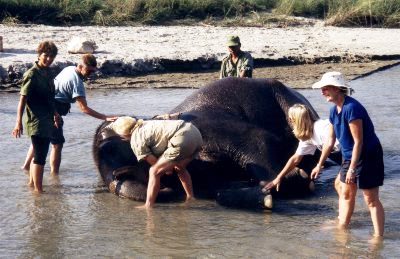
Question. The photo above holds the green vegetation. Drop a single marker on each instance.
(382, 13)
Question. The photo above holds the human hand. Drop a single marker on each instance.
(111, 118)
(350, 177)
(315, 172)
(18, 130)
(273, 184)
(162, 117)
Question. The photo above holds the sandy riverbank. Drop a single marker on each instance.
(197, 50)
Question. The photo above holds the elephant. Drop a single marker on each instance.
(247, 140)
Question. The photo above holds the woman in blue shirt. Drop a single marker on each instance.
(361, 151)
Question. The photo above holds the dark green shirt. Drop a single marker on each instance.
(38, 87)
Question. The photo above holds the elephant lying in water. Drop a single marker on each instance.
(247, 141)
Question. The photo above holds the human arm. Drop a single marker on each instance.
(151, 159)
(18, 129)
(247, 66)
(57, 119)
(168, 116)
(293, 161)
(83, 106)
(222, 73)
(326, 150)
(356, 129)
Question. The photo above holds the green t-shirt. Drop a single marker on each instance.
(38, 87)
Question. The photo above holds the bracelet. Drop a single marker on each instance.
(352, 171)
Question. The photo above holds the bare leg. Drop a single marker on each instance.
(28, 159)
(185, 178)
(337, 188)
(37, 176)
(337, 184)
(31, 183)
(155, 173)
(55, 158)
(346, 203)
(371, 198)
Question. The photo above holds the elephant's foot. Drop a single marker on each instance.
(249, 198)
(268, 202)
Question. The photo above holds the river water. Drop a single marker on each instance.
(77, 217)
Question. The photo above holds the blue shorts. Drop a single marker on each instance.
(370, 170)
(57, 136)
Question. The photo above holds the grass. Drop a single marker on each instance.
(381, 13)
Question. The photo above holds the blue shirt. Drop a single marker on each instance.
(68, 85)
(352, 110)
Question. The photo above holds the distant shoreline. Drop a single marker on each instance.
(154, 51)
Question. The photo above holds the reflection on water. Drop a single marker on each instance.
(77, 217)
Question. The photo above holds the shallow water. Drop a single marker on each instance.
(77, 217)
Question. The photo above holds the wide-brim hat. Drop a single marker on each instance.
(331, 78)
(233, 41)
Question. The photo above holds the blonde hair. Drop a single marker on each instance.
(125, 125)
(302, 121)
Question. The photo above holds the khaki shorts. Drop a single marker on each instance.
(185, 143)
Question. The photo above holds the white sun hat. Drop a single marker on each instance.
(331, 78)
(336, 79)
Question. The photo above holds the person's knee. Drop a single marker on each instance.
(347, 193)
(371, 199)
(57, 147)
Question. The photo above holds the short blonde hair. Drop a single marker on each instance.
(302, 121)
(123, 125)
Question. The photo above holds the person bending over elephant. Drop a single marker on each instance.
(167, 145)
(312, 134)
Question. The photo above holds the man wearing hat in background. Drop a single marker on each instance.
(69, 88)
(238, 63)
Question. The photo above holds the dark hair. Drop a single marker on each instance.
(89, 60)
(47, 47)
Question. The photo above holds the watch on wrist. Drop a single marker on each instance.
(352, 171)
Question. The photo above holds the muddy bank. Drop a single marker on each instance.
(177, 56)
(296, 76)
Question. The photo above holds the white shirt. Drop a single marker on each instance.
(319, 138)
